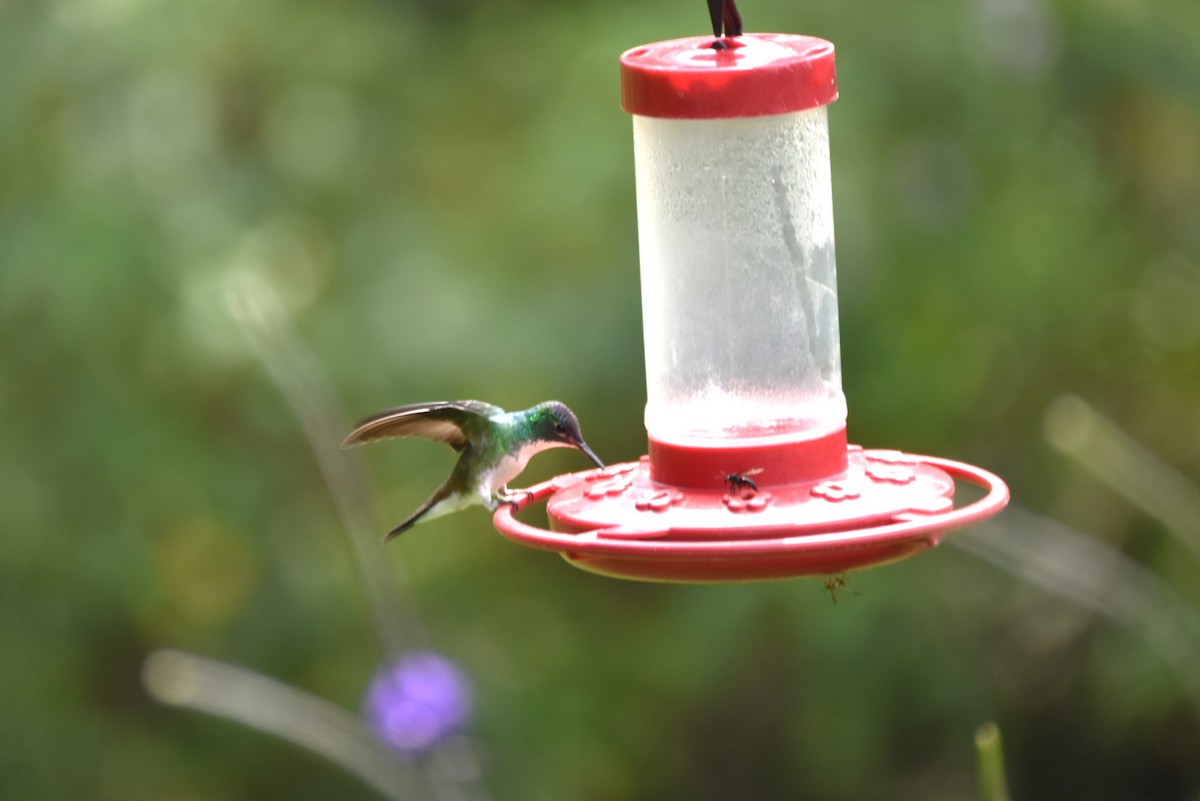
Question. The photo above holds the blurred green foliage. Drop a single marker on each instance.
(442, 192)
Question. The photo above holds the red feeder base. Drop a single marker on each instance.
(882, 507)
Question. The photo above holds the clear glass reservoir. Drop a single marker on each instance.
(739, 285)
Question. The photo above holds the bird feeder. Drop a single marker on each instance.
(749, 474)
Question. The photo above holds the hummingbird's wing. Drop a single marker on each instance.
(443, 421)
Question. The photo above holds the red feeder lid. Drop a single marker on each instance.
(754, 75)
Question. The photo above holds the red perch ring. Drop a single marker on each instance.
(884, 507)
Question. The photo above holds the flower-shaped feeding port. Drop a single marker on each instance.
(749, 474)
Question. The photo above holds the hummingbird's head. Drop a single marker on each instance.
(555, 424)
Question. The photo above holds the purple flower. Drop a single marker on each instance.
(417, 701)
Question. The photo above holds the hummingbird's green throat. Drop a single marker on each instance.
(494, 447)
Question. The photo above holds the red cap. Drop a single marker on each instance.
(754, 75)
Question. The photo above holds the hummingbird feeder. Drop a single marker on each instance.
(749, 475)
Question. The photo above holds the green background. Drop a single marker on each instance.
(442, 195)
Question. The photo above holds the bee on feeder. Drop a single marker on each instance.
(740, 484)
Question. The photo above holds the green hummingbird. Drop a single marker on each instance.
(495, 446)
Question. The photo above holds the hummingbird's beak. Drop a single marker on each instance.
(583, 446)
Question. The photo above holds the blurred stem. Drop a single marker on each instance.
(180, 679)
(990, 756)
(450, 768)
(1096, 576)
(256, 308)
(1133, 471)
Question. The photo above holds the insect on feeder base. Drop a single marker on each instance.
(749, 475)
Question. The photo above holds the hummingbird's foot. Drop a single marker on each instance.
(510, 497)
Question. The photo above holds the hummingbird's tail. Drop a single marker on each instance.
(405, 525)
(442, 501)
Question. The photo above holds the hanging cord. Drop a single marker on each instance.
(725, 17)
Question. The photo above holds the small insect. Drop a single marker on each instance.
(738, 482)
(837, 584)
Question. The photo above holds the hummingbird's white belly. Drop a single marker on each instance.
(450, 504)
(508, 468)
(491, 484)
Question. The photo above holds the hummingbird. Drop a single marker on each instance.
(494, 447)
